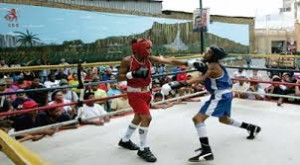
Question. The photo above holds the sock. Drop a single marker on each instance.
(201, 129)
(130, 130)
(143, 131)
(235, 123)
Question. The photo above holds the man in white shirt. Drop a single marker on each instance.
(91, 109)
(255, 75)
(255, 87)
(240, 72)
(51, 83)
(240, 86)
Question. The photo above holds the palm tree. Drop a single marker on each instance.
(26, 39)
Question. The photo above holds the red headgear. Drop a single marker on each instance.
(141, 47)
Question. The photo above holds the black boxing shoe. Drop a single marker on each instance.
(128, 145)
(253, 130)
(205, 155)
(147, 155)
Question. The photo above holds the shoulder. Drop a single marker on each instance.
(127, 59)
(214, 65)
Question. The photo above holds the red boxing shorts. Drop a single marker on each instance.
(140, 102)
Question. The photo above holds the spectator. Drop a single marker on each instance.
(75, 81)
(248, 61)
(5, 105)
(31, 120)
(240, 73)
(276, 89)
(255, 87)
(41, 97)
(271, 73)
(241, 86)
(159, 97)
(91, 109)
(22, 84)
(89, 75)
(296, 75)
(107, 74)
(289, 89)
(51, 83)
(10, 87)
(297, 89)
(21, 98)
(182, 76)
(61, 74)
(68, 93)
(121, 102)
(28, 75)
(6, 126)
(65, 70)
(58, 115)
(58, 98)
(99, 93)
(255, 75)
(113, 90)
(102, 86)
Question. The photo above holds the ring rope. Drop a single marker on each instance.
(265, 69)
(87, 84)
(269, 94)
(267, 82)
(19, 154)
(114, 81)
(46, 108)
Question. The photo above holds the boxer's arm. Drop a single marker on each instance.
(123, 69)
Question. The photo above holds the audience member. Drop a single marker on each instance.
(31, 120)
(159, 97)
(68, 93)
(41, 97)
(21, 98)
(121, 102)
(90, 109)
(241, 86)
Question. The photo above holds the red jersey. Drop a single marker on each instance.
(134, 65)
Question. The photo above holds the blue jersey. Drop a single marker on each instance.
(220, 100)
(216, 84)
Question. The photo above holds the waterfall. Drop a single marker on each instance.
(177, 44)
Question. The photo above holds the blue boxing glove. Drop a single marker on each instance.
(166, 88)
(199, 65)
(139, 73)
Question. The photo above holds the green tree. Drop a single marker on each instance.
(26, 39)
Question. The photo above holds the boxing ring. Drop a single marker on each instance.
(172, 138)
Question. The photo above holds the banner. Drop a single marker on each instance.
(200, 20)
(11, 16)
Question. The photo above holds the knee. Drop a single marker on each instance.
(224, 120)
(147, 118)
(198, 119)
(195, 119)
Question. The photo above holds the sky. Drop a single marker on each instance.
(58, 25)
(227, 7)
(265, 12)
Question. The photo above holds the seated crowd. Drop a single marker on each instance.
(52, 98)
(89, 111)
(241, 87)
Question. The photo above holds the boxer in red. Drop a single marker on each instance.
(136, 70)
